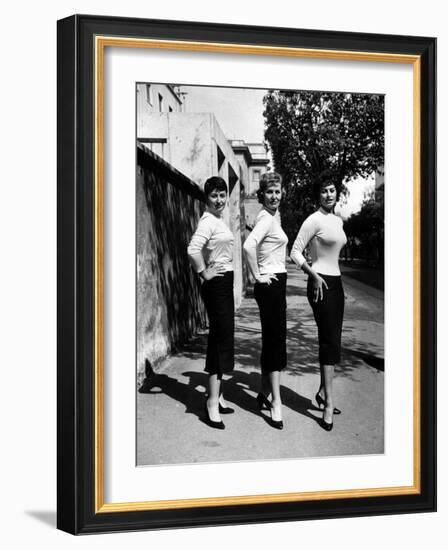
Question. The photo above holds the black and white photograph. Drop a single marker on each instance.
(259, 274)
(223, 275)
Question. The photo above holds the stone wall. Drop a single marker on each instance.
(169, 306)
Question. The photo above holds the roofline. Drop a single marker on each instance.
(171, 89)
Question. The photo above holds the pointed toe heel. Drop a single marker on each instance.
(213, 423)
(277, 424)
(327, 426)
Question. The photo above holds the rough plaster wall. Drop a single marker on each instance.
(245, 268)
(251, 207)
(169, 306)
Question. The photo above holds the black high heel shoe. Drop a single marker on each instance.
(263, 402)
(278, 424)
(321, 404)
(328, 426)
(213, 423)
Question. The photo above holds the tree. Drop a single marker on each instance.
(365, 229)
(310, 133)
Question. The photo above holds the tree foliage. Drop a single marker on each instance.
(365, 229)
(310, 133)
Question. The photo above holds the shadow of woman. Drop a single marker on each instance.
(299, 404)
(369, 358)
(240, 388)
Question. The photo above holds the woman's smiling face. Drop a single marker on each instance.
(216, 202)
(328, 197)
(272, 197)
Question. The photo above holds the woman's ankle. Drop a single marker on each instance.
(212, 402)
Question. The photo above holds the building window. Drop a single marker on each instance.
(256, 176)
(160, 103)
(149, 94)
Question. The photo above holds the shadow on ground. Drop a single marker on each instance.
(241, 388)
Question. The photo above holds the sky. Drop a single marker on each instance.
(357, 189)
(239, 112)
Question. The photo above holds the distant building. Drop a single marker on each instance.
(154, 100)
(159, 98)
(254, 163)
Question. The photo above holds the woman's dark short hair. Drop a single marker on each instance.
(267, 179)
(324, 180)
(215, 183)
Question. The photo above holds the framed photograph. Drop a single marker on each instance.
(246, 274)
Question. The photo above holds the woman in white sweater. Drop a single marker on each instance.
(323, 233)
(265, 250)
(211, 254)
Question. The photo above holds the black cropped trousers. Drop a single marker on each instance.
(217, 294)
(328, 314)
(271, 300)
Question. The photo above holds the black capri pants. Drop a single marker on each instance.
(217, 294)
(328, 313)
(271, 300)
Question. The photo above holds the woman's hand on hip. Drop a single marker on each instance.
(212, 271)
(268, 278)
(318, 288)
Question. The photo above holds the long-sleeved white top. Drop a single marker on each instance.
(324, 234)
(212, 243)
(268, 241)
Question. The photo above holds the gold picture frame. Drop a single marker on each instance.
(82, 42)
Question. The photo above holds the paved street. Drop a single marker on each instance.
(170, 406)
